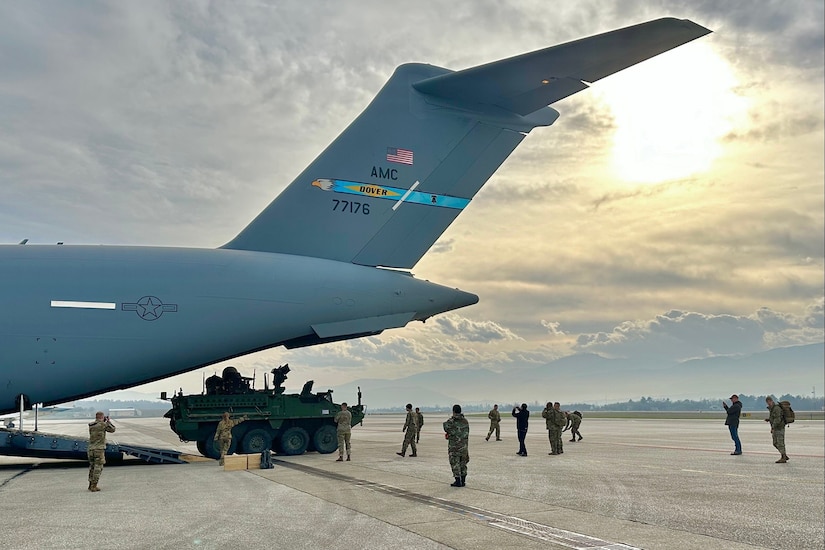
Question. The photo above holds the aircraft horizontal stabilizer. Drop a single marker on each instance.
(528, 82)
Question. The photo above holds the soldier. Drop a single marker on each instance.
(555, 420)
(559, 421)
(547, 415)
(410, 429)
(574, 420)
(732, 422)
(495, 419)
(223, 433)
(420, 418)
(457, 433)
(777, 422)
(344, 421)
(522, 416)
(96, 451)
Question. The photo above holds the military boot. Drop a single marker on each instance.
(340, 459)
(785, 457)
(93, 487)
(782, 460)
(90, 485)
(456, 483)
(348, 458)
(463, 480)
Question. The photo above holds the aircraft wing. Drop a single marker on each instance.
(528, 82)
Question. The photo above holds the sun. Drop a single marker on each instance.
(671, 113)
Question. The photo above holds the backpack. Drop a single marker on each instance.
(577, 413)
(787, 412)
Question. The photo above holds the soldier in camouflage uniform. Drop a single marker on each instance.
(223, 433)
(457, 432)
(344, 421)
(574, 420)
(777, 422)
(96, 451)
(559, 422)
(495, 420)
(420, 418)
(410, 430)
(555, 420)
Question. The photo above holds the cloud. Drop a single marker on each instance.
(679, 335)
(461, 328)
(552, 327)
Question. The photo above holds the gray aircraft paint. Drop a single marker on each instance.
(81, 320)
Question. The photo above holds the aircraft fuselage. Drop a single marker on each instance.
(89, 319)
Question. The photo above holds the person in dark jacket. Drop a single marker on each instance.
(732, 422)
(521, 414)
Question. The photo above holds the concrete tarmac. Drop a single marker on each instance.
(628, 484)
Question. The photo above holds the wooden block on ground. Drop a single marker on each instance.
(242, 462)
(234, 462)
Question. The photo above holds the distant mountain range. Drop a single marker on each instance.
(589, 378)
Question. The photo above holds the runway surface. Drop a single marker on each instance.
(629, 484)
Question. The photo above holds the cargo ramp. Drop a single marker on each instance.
(44, 445)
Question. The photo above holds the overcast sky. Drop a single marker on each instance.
(674, 211)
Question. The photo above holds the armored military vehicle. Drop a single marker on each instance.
(289, 424)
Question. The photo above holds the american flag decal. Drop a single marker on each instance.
(401, 156)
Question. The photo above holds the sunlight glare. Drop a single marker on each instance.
(671, 113)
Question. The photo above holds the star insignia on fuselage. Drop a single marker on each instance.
(149, 308)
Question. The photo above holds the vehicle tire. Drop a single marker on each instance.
(212, 449)
(325, 439)
(202, 447)
(256, 441)
(294, 441)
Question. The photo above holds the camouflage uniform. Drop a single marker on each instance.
(344, 421)
(555, 420)
(223, 435)
(495, 420)
(410, 429)
(420, 418)
(777, 422)
(457, 430)
(96, 451)
(574, 421)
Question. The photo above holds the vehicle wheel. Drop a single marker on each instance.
(325, 439)
(256, 441)
(213, 451)
(202, 447)
(294, 441)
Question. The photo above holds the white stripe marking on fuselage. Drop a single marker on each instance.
(84, 305)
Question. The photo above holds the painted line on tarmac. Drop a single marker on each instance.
(570, 539)
(702, 449)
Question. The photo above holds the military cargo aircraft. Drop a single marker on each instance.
(329, 259)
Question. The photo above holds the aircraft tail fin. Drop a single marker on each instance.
(384, 191)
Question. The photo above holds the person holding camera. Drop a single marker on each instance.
(96, 451)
